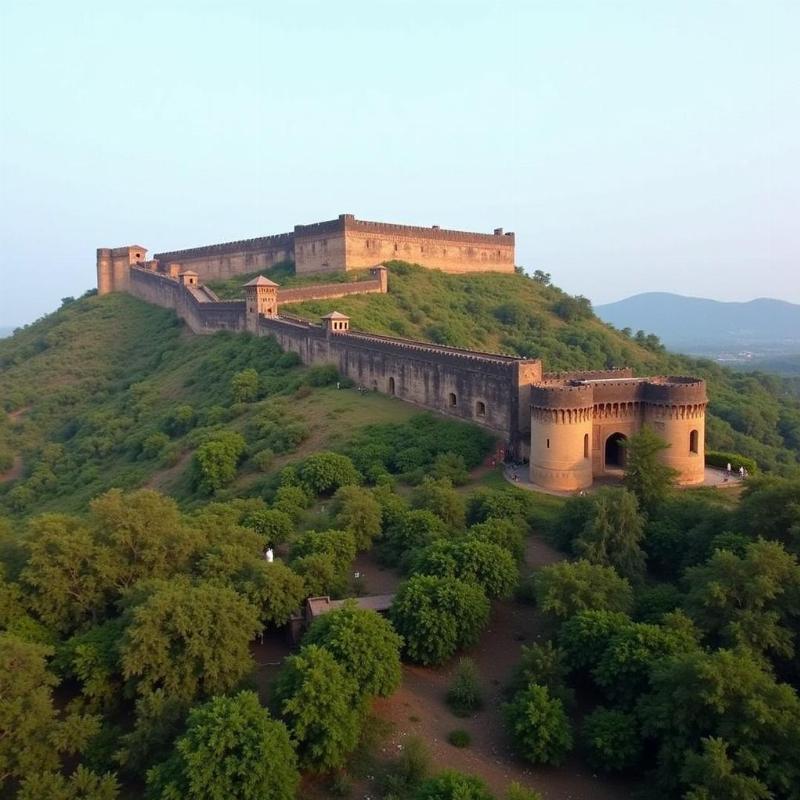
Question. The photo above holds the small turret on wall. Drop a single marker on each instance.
(261, 297)
(335, 322)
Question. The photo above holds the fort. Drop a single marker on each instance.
(337, 245)
(570, 427)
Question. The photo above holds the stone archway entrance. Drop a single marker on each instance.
(615, 451)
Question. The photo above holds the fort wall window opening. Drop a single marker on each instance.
(694, 442)
(586, 445)
(480, 408)
(452, 400)
(391, 386)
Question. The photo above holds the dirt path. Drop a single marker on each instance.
(418, 709)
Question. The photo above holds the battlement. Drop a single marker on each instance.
(229, 248)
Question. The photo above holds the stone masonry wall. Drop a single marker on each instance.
(219, 261)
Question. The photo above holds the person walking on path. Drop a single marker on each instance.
(729, 469)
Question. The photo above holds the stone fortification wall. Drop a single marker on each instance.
(476, 387)
(168, 292)
(349, 243)
(219, 261)
(378, 284)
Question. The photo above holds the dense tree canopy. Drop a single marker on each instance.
(436, 616)
(565, 588)
(319, 702)
(231, 748)
(364, 644)
(190, 639)
(538, 725)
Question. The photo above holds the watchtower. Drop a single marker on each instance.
(261, 297)
(336, 323)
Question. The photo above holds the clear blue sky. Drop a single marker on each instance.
(632, 146)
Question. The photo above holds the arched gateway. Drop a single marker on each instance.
(615, 451)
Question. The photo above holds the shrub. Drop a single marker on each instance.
(451, 785)
(459, 738)
(405, 774)
(323, 375)
(244, 386)
(720, 460)
(152, 446)
(263, 459)
(464, 695)
(216, 459)
(325, 472)
(516, 791)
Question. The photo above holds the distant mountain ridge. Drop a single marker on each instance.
(697, 323)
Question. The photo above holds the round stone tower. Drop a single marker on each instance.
(561, 436)
(675, 408)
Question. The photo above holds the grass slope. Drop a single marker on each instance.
(95, 386)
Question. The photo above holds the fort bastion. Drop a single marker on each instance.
(570, 427)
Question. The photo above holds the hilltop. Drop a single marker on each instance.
(699, 325)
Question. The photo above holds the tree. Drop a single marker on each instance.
(364, 644)
(244, 386)
(68, 576)
(83, 784)
(144, 533)
(568, 587)
(538, 726)
(508, 533)
(231, 748)
(440, 498)
(646, 475)
(585, 636)
(612, 534)
(272, 588)
(451, 785)
(611, 740)
(32, 734)
(411, 530)
(215, 460)
(359, 512)
(623, 670)
(274, 526)
(337, 547)
(711, 775)
(752, 600)
(472, 560)
(437, 616)
(546, 665)
(770, 507)
(189, 639)
(319, 702)
(731, 695)
(324, 472)
(319, 574)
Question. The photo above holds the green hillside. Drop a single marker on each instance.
(164, 627)
(93, 389)
(753, 414)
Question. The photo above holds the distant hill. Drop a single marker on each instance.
(698, 325)
(5, 331)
